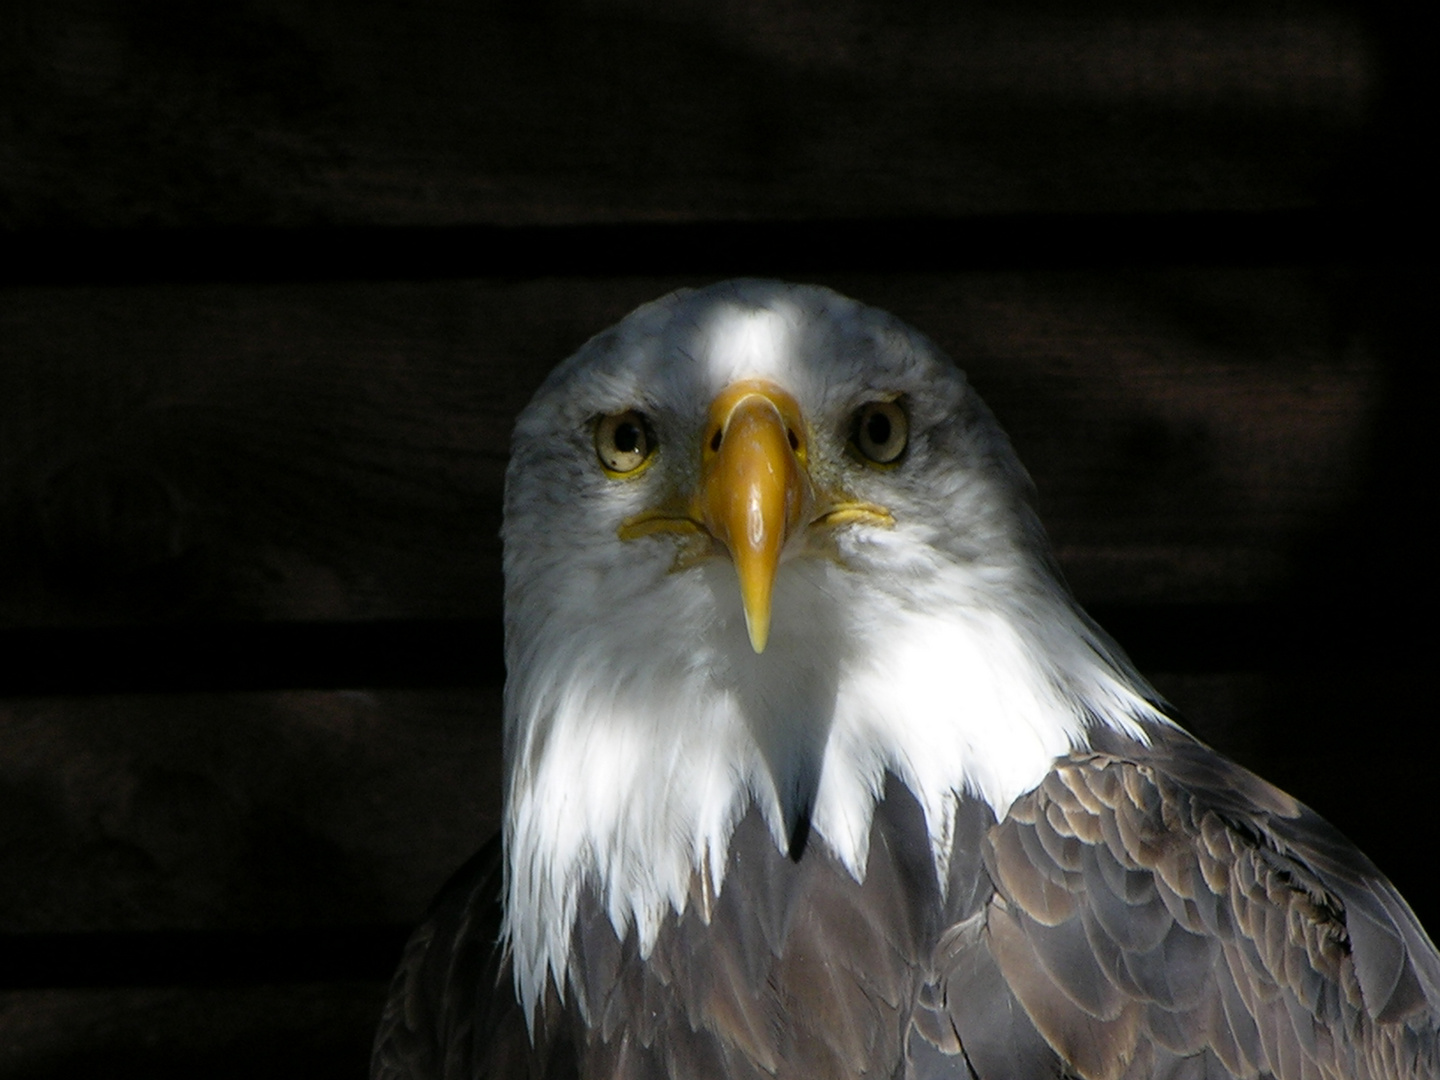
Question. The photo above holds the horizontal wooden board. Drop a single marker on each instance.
(336, 452)
(224, 956)
(240, 811)
(790, 250)
(316, 1032)
(619, 110)
(179, 658)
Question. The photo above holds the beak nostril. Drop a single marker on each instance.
(794, 439)
(715, 439)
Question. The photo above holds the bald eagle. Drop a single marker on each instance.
(815, 769)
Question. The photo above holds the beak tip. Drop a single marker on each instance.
(759, 631)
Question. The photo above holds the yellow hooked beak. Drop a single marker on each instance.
(754, 494)
(754, 488)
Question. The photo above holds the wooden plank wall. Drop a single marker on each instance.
(278, 276)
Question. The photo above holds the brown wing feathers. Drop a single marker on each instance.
(1141, 921)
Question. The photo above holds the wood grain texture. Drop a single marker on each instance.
(290, 113)
(315, 1031)
(192, 812)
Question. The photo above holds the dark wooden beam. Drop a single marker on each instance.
(200, 957)
(1038, 241)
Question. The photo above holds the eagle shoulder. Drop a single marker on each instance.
(1160, 911)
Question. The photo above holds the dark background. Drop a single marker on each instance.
(276, 277)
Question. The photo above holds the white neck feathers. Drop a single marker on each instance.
(635, 748)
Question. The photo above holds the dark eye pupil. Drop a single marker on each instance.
(627, 438)
(877, 428)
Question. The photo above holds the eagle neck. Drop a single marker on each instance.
(626, 776)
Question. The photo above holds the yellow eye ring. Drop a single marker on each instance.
(624, 442)
(880, 432)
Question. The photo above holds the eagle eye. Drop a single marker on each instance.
(881, 432)
(623, 442)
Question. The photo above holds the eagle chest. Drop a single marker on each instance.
(794, 968)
